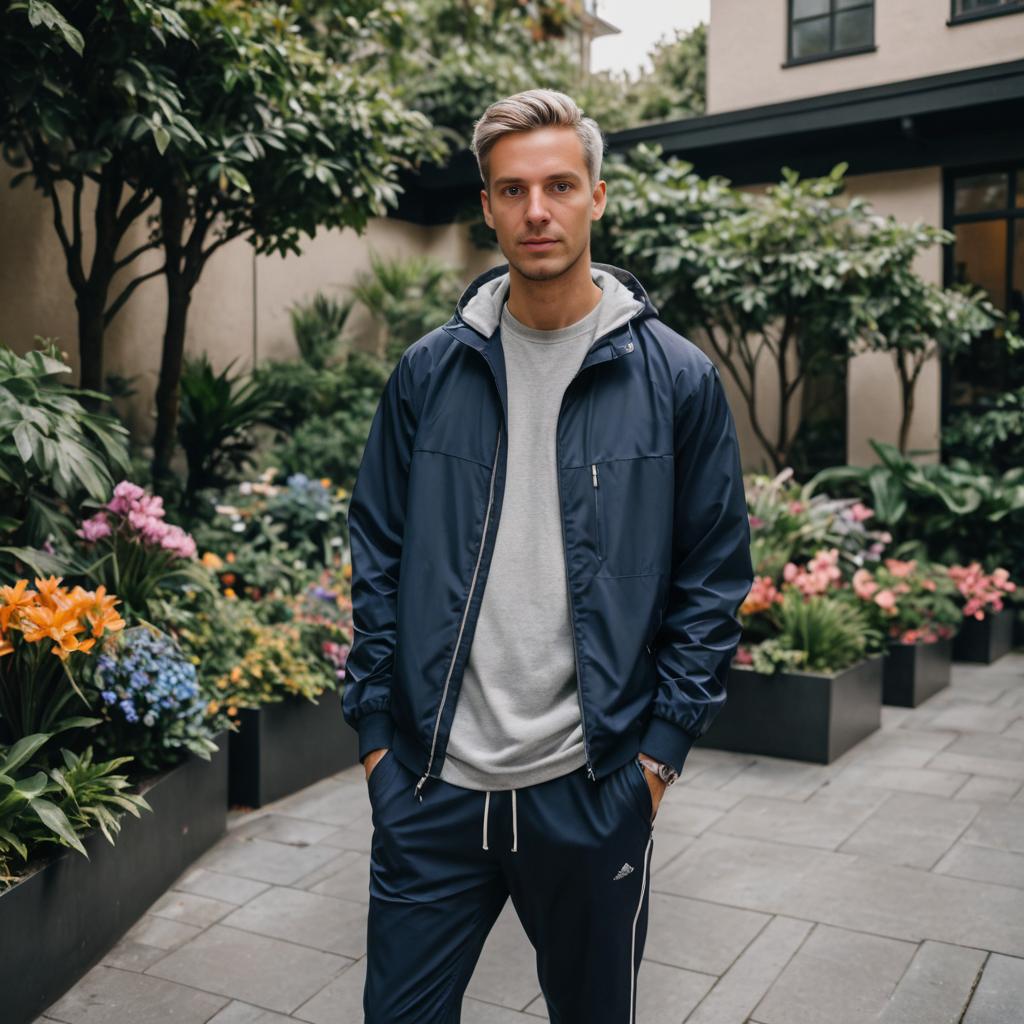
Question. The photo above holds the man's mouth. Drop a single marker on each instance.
(539, 244)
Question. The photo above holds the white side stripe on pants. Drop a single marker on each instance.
(632, 947)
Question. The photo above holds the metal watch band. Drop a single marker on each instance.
(665, 772)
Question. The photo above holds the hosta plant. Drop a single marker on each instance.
(41, 809)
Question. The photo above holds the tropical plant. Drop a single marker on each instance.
(53, 451)
(218, 413)
(981, 591)
(41, 640)
(407, 296)
(949, 513)
(129, 547)
(149, 696)
(317, 325)
(55, 807)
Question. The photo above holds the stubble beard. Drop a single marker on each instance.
(539, 272)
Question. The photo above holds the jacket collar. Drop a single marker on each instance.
(619, 340)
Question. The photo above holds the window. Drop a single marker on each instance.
(820, 29)
(985, 211)
(972, 10)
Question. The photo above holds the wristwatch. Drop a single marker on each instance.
(665, 772)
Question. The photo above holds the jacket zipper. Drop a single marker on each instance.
(462, 625)
(597, 512)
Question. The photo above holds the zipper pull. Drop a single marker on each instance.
(419, 786)
(593, 472)
(590, 772)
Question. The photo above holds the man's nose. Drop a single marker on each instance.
(537, 209)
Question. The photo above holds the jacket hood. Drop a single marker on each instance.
(481, 302)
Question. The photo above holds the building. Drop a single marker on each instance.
(925, 101)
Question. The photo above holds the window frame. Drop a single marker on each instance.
(965, 17)
(1010, 214)
(847, 51)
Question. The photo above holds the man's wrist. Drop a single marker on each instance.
(666, 773)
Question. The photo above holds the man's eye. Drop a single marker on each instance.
(559, 184)
(509, 187)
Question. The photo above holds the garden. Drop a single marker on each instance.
(175, 608)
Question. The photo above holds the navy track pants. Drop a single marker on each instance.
(573, 854)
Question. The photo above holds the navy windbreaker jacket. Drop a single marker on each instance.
(657, 554)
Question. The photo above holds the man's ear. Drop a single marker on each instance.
(600, 200)
(485, 203)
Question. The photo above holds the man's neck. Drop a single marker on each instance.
(557, 302)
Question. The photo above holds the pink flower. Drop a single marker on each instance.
(860, 512)
(125, 493)
(863, 584)
(755, 522)
(901, 569)
(796, 507)
(95, 527)
(886, 600)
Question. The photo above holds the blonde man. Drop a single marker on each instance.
(550, 546)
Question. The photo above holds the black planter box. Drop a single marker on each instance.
(280, 748)
(803, 716)
(911, 673)
(63, 917)
(985, 640)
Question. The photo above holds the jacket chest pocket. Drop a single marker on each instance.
(631, 514)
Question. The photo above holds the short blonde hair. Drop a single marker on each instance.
(536, 108)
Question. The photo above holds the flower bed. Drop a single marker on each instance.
(63, 916)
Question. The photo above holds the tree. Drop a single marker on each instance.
(218, 120)
(789, 277)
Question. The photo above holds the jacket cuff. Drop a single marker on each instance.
(375, 730)
(666, 742)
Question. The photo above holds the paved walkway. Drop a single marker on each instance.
(887, 887)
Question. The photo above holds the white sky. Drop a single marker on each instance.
(642, 23)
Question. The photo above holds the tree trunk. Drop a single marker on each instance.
(179, 295)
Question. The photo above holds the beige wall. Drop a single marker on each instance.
(747, 48)
(240, 302)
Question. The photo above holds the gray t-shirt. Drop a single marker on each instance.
(517, 721)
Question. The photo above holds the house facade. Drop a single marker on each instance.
(924, 99)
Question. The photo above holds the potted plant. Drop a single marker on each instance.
(987, 630)
(911, 605)
(810, 689)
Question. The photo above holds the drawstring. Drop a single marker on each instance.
(514, 838)
(515, 824)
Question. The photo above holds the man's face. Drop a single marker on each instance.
(540, 202)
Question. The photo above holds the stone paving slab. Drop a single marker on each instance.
(936, 987)
(886, 887)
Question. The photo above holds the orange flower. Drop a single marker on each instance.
(6, 647)
(14, 598)
(49, 590)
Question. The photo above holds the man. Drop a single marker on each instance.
(549, 549)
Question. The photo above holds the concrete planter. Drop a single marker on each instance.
(280, 748)
(804, 716)
(59, 920)
(911, 673)
(985, 640)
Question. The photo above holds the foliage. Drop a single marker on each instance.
(149, 697)
(273, 534)
(218, 412)
(909, 601)
(52, 449)
(787, 277)
(951, 513)
(35, 688)
(408, 297)
(817, 633)
(317, 326)
(55, 807)
(674, 88)
(129, 547)
(788, 523)
(992, 438)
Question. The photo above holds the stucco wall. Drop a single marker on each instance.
(747, 48)
(240, 306)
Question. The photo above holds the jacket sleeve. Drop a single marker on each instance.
(711, 571)
(376, 522)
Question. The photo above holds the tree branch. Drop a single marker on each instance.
(126, 294)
